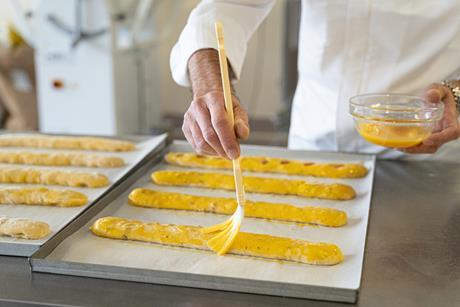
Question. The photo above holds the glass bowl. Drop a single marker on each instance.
(394, 120)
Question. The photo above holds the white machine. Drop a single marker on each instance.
(92, 57)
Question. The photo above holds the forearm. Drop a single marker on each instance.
(204, 72)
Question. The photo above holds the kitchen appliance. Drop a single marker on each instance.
(92, 63)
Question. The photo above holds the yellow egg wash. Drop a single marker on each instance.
(270, 165)
(265, 210)
(255, 184)
(393, 136)
(246, 244)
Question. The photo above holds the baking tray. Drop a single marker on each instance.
(84, 254)
(58, 217)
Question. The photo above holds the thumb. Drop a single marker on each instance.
(433, 95)
(241, 122)
(241, 129)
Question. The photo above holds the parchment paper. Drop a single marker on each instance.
(85, 248)
(58, 217)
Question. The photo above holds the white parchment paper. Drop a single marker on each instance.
(84, 247)
(58, 217)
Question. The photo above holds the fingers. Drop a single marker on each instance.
(202, 147)
(188, 134)
(203, 120)
(446, 135)
(436, 92)
(194, 136)
(435, 141)
(420, 149)
(434, 95)
(224, 129)
(208, 128)
(448, 128)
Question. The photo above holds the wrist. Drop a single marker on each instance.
(204, 72)
(208, 91)
(214, 93)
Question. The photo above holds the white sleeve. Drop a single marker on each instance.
(240, 19)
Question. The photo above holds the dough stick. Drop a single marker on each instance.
(273, 211)
(23, 228)
(52, 177)
(255, 184)
(270, 165)
(66, 142)
(246, 244)
(42, 197)
(60, 159)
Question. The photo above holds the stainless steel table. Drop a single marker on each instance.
(412, 255)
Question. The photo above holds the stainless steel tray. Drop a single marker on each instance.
(78, 252)
(57, 217)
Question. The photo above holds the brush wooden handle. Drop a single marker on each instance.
(42, 197)
(238, 177)
(246, 244)
(52, 177)
(255, 184)
(224, 71)
(265, 210)
(60, 159)
(66, 142)
(23, 228)
(270, 165)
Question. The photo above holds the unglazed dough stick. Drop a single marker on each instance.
(52, 177)
(66, 142)
(42, 197)
(270, 165)
(255, 184)
(60, 159)
(246, 244)
(23, 228)
(273, 211)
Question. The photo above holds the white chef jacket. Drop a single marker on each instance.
(346, 48)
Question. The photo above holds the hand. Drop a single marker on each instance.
(448, 128)
(207, 126)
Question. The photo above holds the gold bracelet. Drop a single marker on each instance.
(453, 86)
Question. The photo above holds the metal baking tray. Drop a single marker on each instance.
(58, 217)
(83, 254)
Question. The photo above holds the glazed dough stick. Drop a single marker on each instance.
(66, 142)
(60, 159)
(255, 184)
(246, 244)
(273, 211)
(52, 177)
(42, 197)
(23, 228)
(270, 165)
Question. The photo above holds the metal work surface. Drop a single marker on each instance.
(412, 255)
